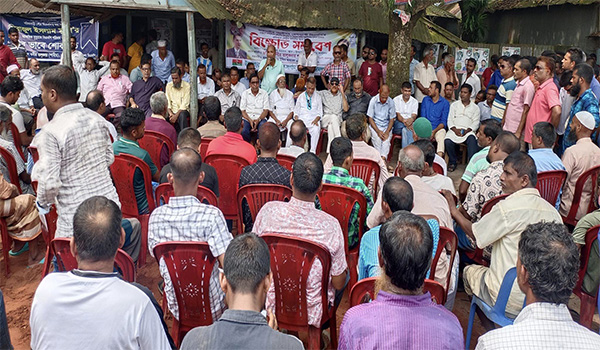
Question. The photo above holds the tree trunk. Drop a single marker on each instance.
(399, 47)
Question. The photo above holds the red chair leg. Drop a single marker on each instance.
(144, 244)
(314, 338)
(47, 262)
(333, 331)
(588, 306)
(175, 332)
(6, 243)
(352, 264)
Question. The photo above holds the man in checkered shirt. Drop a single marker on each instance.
(185, 218)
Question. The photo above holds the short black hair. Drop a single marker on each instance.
(532, 59)
(450, 83)
(269, 136)
(546, 131)
(61, 79)
(398, 194)
(186, 165)
(468, 87)
(189, 137)
(176, 70)
(131, 118)
(576, 55)
(12, 30)
(11, 84)
(471, 59)
(202, 45)
(525, 65)
(308, 173)
(585, 71)
(355, 126)
(508, 142)
(297, 130)
(97, 229)
(437, 84)
(406, 85)
(406, 245)
(551, 258)
(94, 99)
(247, 263)
(565, 78)
(428, 150)
(492, 87)
(212, 108)
(233, 119)
(253, 76)
(508, 59)
(491, 128)
(234, 68)
(523, 165)
(341, 148)
(146, 58)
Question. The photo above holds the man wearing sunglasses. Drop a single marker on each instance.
(336, 69)
(371, 73)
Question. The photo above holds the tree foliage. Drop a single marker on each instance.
(473, 25)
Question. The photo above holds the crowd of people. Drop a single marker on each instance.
(524, 116)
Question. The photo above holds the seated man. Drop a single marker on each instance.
(95, 101)
(266, 170)
(24, 177)
(486, 134)
(309, 109)
(342, 156)
(382, 114)
(405, 313)
(93, 297)
(281, 103)
(296, 139)
(206, 86)
(245, 280)
(546, 274)
(407, 108)
(502, 228)
(299, 218)
(227, 96)
(89, 76)
(435, 109)
(334, 104)
(232, 142)
(115, 88)
(578, 159)
(136, 73)
(185, 218)
(133, 125)
(143, 89)
(10, 89)
(212, 111)
(191, 138)
(157, 121)
(542, 141)
(255, 108)
(115, 58)
(463, 121)
(178, 94)
(437, 181)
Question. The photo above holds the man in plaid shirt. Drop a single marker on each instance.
(341, 154)
(337, 69)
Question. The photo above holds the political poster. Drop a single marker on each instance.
(511, 50)
(42, 38)
(248, 43)
(481, 56)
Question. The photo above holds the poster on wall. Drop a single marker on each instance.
(511, 50)
(164, 29)
(481, 56)
(248, 43)
(438, 50)
(42, 38)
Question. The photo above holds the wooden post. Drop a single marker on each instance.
(128, 32)
(191, 34)
(222, 38)
(65, 20)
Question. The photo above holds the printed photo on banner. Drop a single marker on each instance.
(248, 43)
(481, 56)
(511, 50)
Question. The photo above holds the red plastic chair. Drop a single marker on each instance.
(338, 202)
(17, 140)
(125, 265)
(123, 171)
(190, 265)
(165, 191)
(6, 243)
(48, 232)
(366, 170)
(477, 254)
(447, 237)
(34, 153)
(319, 148)
(392, 141)
(438, 168)
(366, 287)
(549, 183)
(256, 195)
(229, 168)
(156, 144)
(204, 146)
(588, 302)
(291, 262)
(286, 161)
(582, 181)
(11, 165)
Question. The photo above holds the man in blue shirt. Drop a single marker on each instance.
(545, 159)
(162, 61)
(382, 114)
(435, 108)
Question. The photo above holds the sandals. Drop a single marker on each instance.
(23, 250)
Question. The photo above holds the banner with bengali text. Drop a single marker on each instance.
(252, 42)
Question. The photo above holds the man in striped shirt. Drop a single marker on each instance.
(506, 88)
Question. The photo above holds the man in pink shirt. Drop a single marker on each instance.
(115, 88)
(545, 106)
(517, 109)
(233, 142)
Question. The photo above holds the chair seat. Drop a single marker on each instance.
(498, 319)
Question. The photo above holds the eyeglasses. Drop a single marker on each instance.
(365, 52)
(372, 53)
(337, 52)
(539, 68)
(502, 66)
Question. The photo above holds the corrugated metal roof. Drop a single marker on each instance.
(21, 7)
(496, 5)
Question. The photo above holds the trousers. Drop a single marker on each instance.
(332, 123)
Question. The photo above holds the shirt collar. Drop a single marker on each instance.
(544, 311)
(243, 316)
(584, 140)
(68, 108)
(525, 192)
(509, 79)
(266, 160)
(585, 93)
(129, 142)
(302, 204)
(339, 171)
(541, 150)
(183, 201)
(233, 135)
(546, 83)
(405, 300)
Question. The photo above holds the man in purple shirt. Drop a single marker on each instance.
(144, 88)
(402, 316)
(157, 121)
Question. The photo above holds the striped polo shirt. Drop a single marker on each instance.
(503, 96)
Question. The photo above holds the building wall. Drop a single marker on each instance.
(561, 25)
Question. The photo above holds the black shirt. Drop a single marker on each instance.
(211, 181)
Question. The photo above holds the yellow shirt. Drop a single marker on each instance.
(179, 99)
(135, 51)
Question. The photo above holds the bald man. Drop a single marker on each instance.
(296, 140)
(381, 113)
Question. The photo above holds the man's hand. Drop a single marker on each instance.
(385, 135)
(408, 122)
(254, 124)
(316, 121)
(450, 198)
(134, 105)
(457, 132)
(271, 319)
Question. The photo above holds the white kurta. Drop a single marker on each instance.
(462, 117)
(281, 106)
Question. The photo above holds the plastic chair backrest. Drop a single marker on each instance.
(17, 140)
(591, 175)
(49, 229)
(256, 195)
(190, 266)
(367, 170)
(6, 243)
(165, 191)
(437, 291)
(361, 289)
(590, 236)
(123, 171)
(286, 161)
(438, 168)
(11, 166)
(62, 250)
(487, 206)
(204, 146)
(155, 143)
(124, 263)
(291, 261)
(229, 168)
(549, 183)
(34, 153)
(447, 236)
(504, 293)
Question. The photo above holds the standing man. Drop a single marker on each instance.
(143, 89)
(506, 88)
(77, 57)
(463, 121)
(255, 108)
(6, 57)
(163, 61)
(383, 63)
(407, 108)
(269, 69)
(424, 74)
(435, 109)
(334, 103)
(364, 56)
(471, 78)
(573, 57)
(517, 109)
(135, 52)
(178, 94)
(227, 96)
(448, 75)
(308, 58)
(88, 77)
(115, 88)
(250, 70)
(371, 73)
(337, 69)
(309, 109)
(382, 114)
(413, 64)
(115, 46)
(347, 60)
(153, 42)
(17, 48)
(32, 79)
(205, 59)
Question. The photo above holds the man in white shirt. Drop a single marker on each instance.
(308, 58)
(281, 104)
(255, 108)
(471, 78)
(77, 57)
(236, 85)
(10, 90)
(89, 76)
(296, 139)
(227, 96)
(309, 109)
(32, 79)
(206, 87)
(437, 181)
(463, 122)
(424, 74)
(407, 108)
(334, 103)
(91, 303)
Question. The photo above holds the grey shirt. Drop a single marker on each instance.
(332, 104)
(239, 329)
(357, 104)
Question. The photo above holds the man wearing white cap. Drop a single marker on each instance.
(577, 159)
(162, 61)
(281, 104)
(334, 103)
(25, 101)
